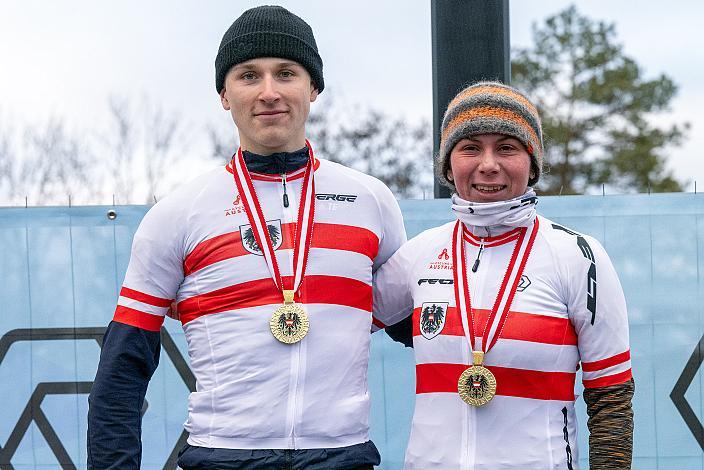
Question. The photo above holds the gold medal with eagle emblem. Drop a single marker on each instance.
(477, 384)
(289, 323)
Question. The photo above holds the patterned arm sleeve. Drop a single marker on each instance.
(130, 350)
(610, 426)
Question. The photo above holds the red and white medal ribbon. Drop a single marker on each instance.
(504, 298)
(304, 227)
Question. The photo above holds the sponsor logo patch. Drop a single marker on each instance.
(435, 281)
(523, 284)
(336, 197)
(432, 318)
(249, 242)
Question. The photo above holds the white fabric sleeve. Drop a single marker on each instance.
(393, 299)
(393, 232)
(155, 270)
(597, 309)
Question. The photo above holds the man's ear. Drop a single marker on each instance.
(313, 92)
(448, 176)
(223, 99)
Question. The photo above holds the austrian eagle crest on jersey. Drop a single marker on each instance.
(249, 241)
(432, 318)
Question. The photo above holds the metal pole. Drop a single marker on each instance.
(470, 43)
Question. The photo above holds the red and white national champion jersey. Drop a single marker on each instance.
(569, 309)
(196, 247)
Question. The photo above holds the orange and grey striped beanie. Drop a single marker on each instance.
(491, 108)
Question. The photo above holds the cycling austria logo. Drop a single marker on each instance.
(237, 207)
(249, 242)
(441, 261)
(432, 318)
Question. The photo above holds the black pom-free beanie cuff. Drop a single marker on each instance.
(268, 44)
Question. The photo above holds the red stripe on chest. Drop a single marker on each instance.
(443, 378)
(330, 236)
(316, 289)
(519, 326)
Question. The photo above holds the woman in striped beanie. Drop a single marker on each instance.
(505, 309)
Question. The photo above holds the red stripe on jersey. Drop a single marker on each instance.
(519, 326)
(332, 236)
(345, 237)
(215, 249)
(376, 322)
(145, 321)
(608, 362)
(609, 380)
(439, 378)
(145, 298)
(294, 175)
(331, 290)
(491, 241)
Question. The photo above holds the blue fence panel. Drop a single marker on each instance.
(61, 270)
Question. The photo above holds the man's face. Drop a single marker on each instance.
(269, 99)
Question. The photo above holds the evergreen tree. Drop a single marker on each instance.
(596, 108)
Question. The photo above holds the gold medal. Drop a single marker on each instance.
(477, 385)
(289, 323)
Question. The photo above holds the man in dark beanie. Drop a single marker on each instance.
(267, 263)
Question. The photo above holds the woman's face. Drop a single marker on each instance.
(489, 168)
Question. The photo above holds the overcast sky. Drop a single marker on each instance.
(65, 58)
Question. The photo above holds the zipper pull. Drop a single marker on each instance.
(283, 181)
(479, 257)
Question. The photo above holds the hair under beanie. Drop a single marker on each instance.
(491, 108)
(268, 31)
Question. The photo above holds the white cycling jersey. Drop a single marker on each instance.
(569, 309)
(196, 248)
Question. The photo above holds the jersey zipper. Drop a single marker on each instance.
(290, 216)
(293, 393)
(475, 288)
(479, 256)
(285, 195)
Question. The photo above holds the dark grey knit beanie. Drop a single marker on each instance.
(268, 31)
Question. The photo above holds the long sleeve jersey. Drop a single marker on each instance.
(196, 249)
(568, 310)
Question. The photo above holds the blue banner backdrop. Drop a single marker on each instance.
(61, 270)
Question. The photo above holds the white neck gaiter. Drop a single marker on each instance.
(489, 219)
